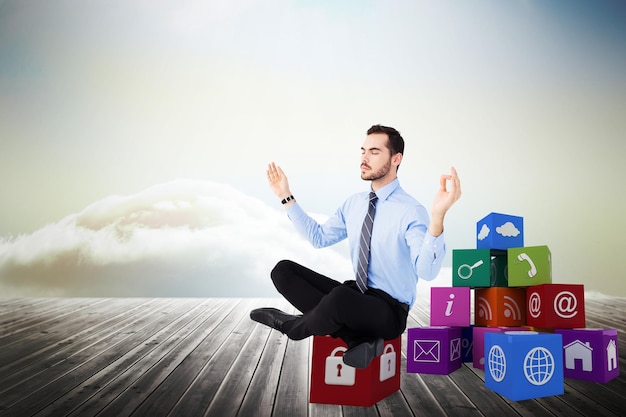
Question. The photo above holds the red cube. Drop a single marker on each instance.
(334, 382)
(551, 306)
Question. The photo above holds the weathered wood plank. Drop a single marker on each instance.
(611, 395)
(56, 350)
(394, 405)
(178, 357)
(49, 331)
(119, 376)
(42, 314)
(112, 320)
(11, 304)
(417, 394)
(135, 361)
(349, 411)
(55, 381)
(233, 388)
(292, 396)
(261, 392)
(160, 388)
(475, 390)
(20, 310)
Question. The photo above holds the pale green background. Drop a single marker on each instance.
(109, 98)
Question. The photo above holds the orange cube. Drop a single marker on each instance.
(500, 306)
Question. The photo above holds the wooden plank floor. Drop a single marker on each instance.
(205, 357)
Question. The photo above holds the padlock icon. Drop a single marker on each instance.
(387, 363)
(337, 372)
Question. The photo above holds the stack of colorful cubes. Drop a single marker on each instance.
(528, 333)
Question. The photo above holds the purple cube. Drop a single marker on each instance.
(450, 306)
(467, 344)
(433, 350)
(590, 354)
(478, 360)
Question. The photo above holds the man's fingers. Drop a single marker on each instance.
(455, 183)
(443, 180)
(272, 171)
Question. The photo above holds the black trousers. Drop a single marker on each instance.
(338, 309)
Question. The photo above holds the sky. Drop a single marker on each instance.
(134, 135)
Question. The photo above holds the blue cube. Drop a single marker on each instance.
(500, 231)
(522, 365)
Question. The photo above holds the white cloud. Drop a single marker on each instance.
(508, 229)
(183, 238)
(484, 232)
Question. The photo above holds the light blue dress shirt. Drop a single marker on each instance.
(402, 249)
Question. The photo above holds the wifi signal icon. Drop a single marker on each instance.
(511, 309)
(484, 309)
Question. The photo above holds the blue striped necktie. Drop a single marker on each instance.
(364, 244)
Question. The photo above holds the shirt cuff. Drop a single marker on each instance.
(295, 211)
(435, 245)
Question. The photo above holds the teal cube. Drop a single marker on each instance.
(471, 268)
(522, 365)
(500, 231)
(528, 266)
(478, 268)
(499, 268)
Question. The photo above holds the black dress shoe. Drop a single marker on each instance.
(271, 317)
(362, 354)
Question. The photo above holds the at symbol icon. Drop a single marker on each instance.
(565, 304)
(534, 305)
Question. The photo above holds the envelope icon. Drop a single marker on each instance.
(427, 351)
(455, 349)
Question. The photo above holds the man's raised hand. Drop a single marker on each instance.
(278, 181)
(445, 198)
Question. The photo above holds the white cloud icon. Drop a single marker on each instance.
(484, 232)
(508, 229)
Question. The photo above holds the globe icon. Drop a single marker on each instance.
(538, 366)
(497, 363)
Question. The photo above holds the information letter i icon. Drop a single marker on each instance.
(449, 305)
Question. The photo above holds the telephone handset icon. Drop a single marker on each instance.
(533, 270)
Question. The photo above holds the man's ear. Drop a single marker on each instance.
(396, 159)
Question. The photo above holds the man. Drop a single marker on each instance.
(391, 243)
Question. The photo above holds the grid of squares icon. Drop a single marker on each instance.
(528, 333)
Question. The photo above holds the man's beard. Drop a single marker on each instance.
(373, 176)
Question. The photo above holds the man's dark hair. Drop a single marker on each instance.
(395, 143)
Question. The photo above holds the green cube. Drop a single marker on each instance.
(471, 268)
(530, 265)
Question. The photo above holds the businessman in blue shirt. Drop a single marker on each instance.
(404, 245)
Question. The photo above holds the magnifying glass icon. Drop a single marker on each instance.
(465, 271)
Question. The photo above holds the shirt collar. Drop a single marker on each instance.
(386, 191)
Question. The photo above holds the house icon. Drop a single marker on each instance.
(578, 350)
(611, 355)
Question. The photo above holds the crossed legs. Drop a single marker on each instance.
(332, 308)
